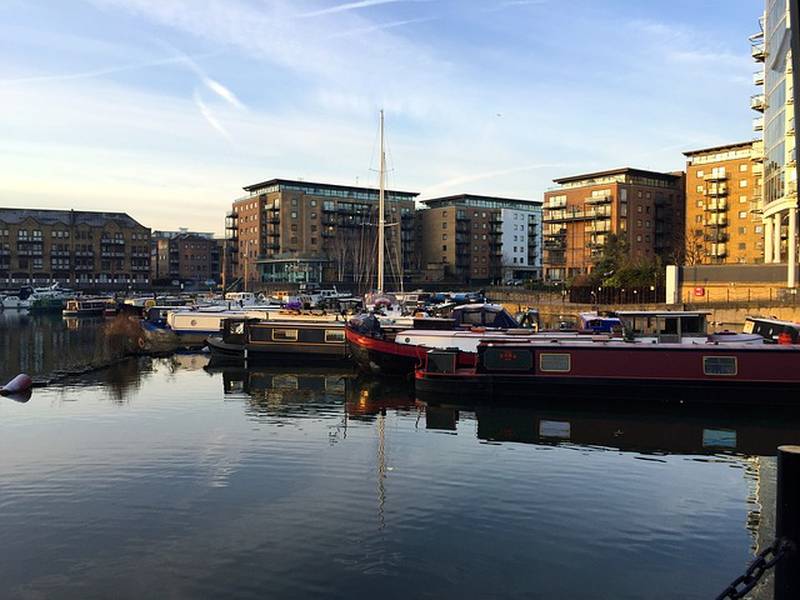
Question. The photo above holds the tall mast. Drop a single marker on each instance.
(381, 215)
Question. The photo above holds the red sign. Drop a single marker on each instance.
(699, 291)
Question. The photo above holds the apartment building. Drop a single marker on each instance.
(643, 207)
(723, 187)
(471, 238)
(76, 248)
(185, 256)
(771, 50)
(287, 231)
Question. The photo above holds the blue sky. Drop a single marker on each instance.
(166, 108)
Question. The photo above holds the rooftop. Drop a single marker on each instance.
(620, 171)
(467, 197)
(67, 217)
(748, 144)
(323, 186)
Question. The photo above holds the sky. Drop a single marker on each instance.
(165, 109)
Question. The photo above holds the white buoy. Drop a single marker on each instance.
(20, 383)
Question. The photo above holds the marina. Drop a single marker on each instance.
(193, 463)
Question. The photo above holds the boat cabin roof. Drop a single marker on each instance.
(773, 321)
(663, 313)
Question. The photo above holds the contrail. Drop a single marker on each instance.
(210, 118)
(181, 59)
(380, 27)
(352, 6)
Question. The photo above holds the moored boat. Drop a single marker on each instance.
(773, 330)
(644, 372)
(87, 307)
(394, 349)
(256, 340)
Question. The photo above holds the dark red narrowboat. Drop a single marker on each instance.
(373, 347)
(735, 373)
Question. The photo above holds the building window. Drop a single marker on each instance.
(743, 214)
(742, 199)
(700, 173)
(313, 203)
(294, 214)
(743, 183)
(444, 237)
(700, 204)
(743, 168)
(639, 208)
(698, 219)
(742, 230)
(638, 238)
(759, 229)
(444, 247)
(647, 223)
(742, 246)
(444, 225)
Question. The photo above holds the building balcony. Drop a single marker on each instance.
(555, 204)
(717, 205)
(605, 199)
(717, 220)
(758, 124)
(716, 176)
(758, 102)
(718, 250)
(598, 227)
(758, 52)
(719, 189)
(758, 78)
(717, 237)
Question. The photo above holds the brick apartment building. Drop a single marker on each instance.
(185, 256)
(643, 207)
(723, 191)
(471, 238)
(76, 248)
(286, 231)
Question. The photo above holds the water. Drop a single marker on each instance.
(168, 478)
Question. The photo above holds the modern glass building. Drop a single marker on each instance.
(778, 204)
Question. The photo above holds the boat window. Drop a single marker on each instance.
(284, 335)
(748, 327)
(693, 325)
(334, 336)
(507, 359)
(472, 317)
(555, 363)
(237, 328)
(720, 365)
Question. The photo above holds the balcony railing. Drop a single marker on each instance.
(719, 189)
(759, 52)
(758, 124)
(717, 205)
(604, 199)
(758, 102)
(758, 78)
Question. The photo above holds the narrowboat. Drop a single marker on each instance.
(256, 340)
(377, 347)
(87, 307)
(772, 329)
(644, 372)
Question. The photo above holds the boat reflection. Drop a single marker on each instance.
(678, 430)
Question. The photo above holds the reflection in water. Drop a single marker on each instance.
(228, 481)
(42, 344)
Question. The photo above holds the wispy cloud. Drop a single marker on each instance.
(380, 27)
(348, 6)
(461, 180)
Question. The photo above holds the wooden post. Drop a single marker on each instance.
(787, 522)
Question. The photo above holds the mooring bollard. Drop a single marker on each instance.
(787, 522)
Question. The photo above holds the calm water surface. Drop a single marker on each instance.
(171, 478)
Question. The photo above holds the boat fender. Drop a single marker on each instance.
(20, 383)
(477, 329)
(141, 343)
(785, 338)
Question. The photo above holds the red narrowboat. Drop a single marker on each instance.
(764, 374)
